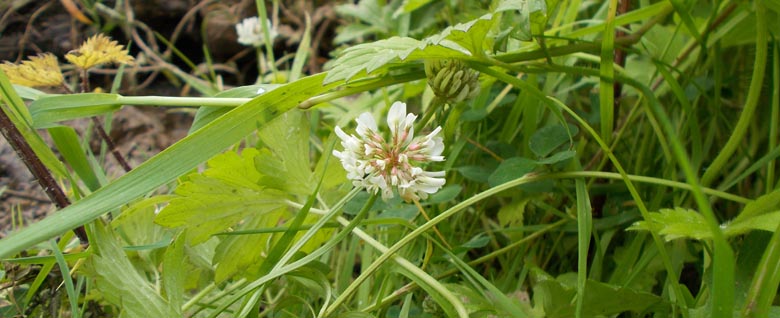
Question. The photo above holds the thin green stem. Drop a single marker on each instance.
(764, 286)
(281, 267)
(774, 118)
(483, 259)
(553, 103)
(751, 102)
(370, 85)
(427, 226)
(269, 42)
(405, 264)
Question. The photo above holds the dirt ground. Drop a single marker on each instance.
(29, 27)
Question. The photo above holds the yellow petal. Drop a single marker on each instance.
(41, 70)
(98, 49)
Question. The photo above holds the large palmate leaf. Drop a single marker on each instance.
(120, 283)
(227, 192)
(287, 167)
(170, 163)
(243, 254)
(458, 41)
(245, 192)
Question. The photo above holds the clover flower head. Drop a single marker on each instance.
(250, 32)
(380, 165)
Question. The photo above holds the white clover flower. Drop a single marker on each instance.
(379, 165)
(250, 32)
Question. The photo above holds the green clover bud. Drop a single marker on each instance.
(451, 80)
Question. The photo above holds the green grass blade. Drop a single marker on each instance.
(584, 228)
(67, 143)
(751, 101)
(774, 117)
(19, 115)
(765, 281)
(606, 82)
(302, 54)
(65, 271)
(170, 163)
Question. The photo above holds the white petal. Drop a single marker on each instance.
(395, 115)
(341, 133)
(366, 123)
(436, 148)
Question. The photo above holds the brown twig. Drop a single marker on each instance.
(29, 28)
(100, 129)
(485, 149)
(110, 144)
(37, 168)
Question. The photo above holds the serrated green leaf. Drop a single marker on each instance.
(458, 41)
(233, 254)
(369, 57)
(226, 193)
(676, 223)
(120, 283)
(289, 166)
(765, 221)
(235, 169)
(511, 169)
(511, 215)
(765, 203)
(470, 35)
(174, 272)
(136, 224)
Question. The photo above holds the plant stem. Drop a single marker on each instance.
(405, 264)
(751, 102)
(37, 168)
(111, 145)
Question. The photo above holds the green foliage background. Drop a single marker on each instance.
(578, 184)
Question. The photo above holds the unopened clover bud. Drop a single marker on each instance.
(451, 80)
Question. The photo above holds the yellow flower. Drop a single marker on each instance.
(99, 49)
(41, 70)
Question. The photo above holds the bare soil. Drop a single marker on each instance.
(29, 27)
